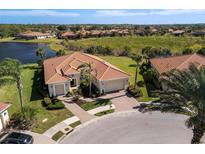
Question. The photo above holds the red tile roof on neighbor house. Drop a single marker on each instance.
(3, 106)
(163, 65)
(33, 34)
(58, 69)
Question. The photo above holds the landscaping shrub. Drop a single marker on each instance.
(55, 105)
(23, 121)
(46, 101)
(75, 98)
(69, 94)
(140, 83)
(136, 92)
(100, 50)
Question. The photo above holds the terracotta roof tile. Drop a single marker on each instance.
(3, 106)
(56, 69)
(163, 65)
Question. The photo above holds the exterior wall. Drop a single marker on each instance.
(51, 88)
(4, 119)
(102, 84)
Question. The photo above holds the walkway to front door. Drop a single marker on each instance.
(83, 115)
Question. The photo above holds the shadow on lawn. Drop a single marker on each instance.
(132, 65)
(34, 93)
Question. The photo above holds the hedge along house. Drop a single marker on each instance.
(62, 74)
(164, 65)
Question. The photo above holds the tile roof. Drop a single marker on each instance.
(163, 65)
(58, 69)
(3, 106)
(30, 33)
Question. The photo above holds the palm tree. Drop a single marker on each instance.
(11, 67)
(41, 53)
(87, 68)
(184, 93)
(137, 58)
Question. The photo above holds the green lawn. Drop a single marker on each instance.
(176, 44)
(128, 65)
(75, 124)
(105, 112)
(91, 105)
(57, 136)
(9, 93)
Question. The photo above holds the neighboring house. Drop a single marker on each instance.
(178, 32)
(34, 35)
(198, 33)
(4, 116)
(164, 65)
(69, 35)
(62, 74)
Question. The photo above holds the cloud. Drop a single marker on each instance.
(51, 13)
(118, 13)
(124, 13)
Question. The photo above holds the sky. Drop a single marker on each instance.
(74, 16)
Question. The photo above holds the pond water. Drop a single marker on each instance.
(25, 52)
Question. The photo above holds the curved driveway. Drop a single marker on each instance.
(133, 127)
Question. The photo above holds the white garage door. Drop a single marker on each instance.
(114, 85)
(59, 89)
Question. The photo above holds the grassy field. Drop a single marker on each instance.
(128, 65)
(176, 44)
(9, 93)
(53, 43)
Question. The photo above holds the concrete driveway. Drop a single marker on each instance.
(133, 127)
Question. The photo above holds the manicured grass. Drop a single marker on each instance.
(75, 124)
(9, 93)
(128, 65)
(105, 112)
(57, 136)
(176, 44)
(91, 105)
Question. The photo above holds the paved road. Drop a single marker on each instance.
(133, 127)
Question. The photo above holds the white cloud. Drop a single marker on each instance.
(123, 13)
(118, 13)
(39, 13)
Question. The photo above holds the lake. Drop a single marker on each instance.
(25, 52)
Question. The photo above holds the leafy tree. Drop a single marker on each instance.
(41, 53)
(61, 52)
(126, 51)
(137, 58)
(201, 51)
(11, 67)
(62, 28)
(187, 51)
(184, 94)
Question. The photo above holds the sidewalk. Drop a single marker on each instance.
(53, 130)
(101, 109)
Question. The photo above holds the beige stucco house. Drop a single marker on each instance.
(62, 74)
(4, 116)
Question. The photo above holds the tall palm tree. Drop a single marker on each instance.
(41, 53)
(137, 58)
(87, 68)
(185, 93)
(11, 67)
